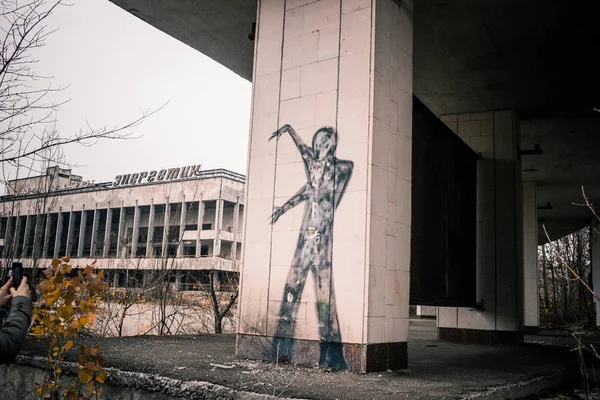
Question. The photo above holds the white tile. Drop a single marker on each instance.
(469, 128)
(399, 331)
(392, 191)
(379, 191)
(357, 153)
(402, 248)
(291, 4)
(261, 177)
(294, 23)
(381, 144)
(266, 94)
(287, 152)
(323, 14)
(403, 34)
(404, 202)
(375, 329)
(350, 217)
(403, 77)
(271, 18)
(301, 50)
(377, 284)
(381, 104)
(355, 76)
(404, 152)
(283, 246)
(378, 241)
(353, 119)
(319, 77)
(299, 112)
(405, 114)
(329, 43)
(262, 126)
(326, 109)
(258, 227)
(285, 223)
(268, 55)
(290, 83)
(349, 6)
(356, 32)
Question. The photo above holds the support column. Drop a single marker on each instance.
(38, 237)
(236, 222)
(16, 241)
(8, 237)
(531, 280)
(107, 232)
(336, 77)
(182, 219)
(70, 231)
(136, 230)
(82, 224)
(200, 222)
(150, 230)
(94, 238)
(120, 232)
(59, 222)
(218, 224)
(499, 318)
(47, 235)
(165, 240)
(26, 236)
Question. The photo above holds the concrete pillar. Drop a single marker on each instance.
(218, 224)
(499, 233)
(336, 183)
(150, 230)
(107, 232)
(178, 280)
(82, 224)
(38, 237)
(94, 238)
(182, 219)
(531, 296)
(8, 237)
(216, 281)
(136, 230)
(17, 236)
(47, 235)
(121, 232)
(70, 232)
(200, 222)
(59, 223)
(236, 222)
(165, 240)
(595, 256)
(26, 236)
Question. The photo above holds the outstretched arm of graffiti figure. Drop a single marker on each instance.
(300, 196)
(342, 177)
(304, 150)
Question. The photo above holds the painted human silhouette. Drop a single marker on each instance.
(327, 179)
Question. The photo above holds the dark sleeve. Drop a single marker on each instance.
(12, 333)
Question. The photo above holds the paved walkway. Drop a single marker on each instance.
(437, 370)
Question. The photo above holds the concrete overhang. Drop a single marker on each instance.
(537, 57)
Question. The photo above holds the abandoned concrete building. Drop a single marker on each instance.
(185, 218)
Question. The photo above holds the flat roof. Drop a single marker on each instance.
(206, 174)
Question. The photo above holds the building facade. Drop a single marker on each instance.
(183, 219)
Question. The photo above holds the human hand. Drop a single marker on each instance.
(5, 295)
(22, 290)
(280, 131)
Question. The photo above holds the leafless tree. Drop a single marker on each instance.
(27, 112)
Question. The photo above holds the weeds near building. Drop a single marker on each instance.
(69, 298)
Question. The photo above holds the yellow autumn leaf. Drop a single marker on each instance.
(68, 345)
(85, 375)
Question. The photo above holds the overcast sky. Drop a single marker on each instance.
(115, 66)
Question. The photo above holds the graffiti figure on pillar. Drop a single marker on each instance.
(327, 179)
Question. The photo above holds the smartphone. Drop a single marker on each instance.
(17, 273)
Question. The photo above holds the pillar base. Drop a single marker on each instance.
(532, 330)
(358, 358)
(480, 336)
